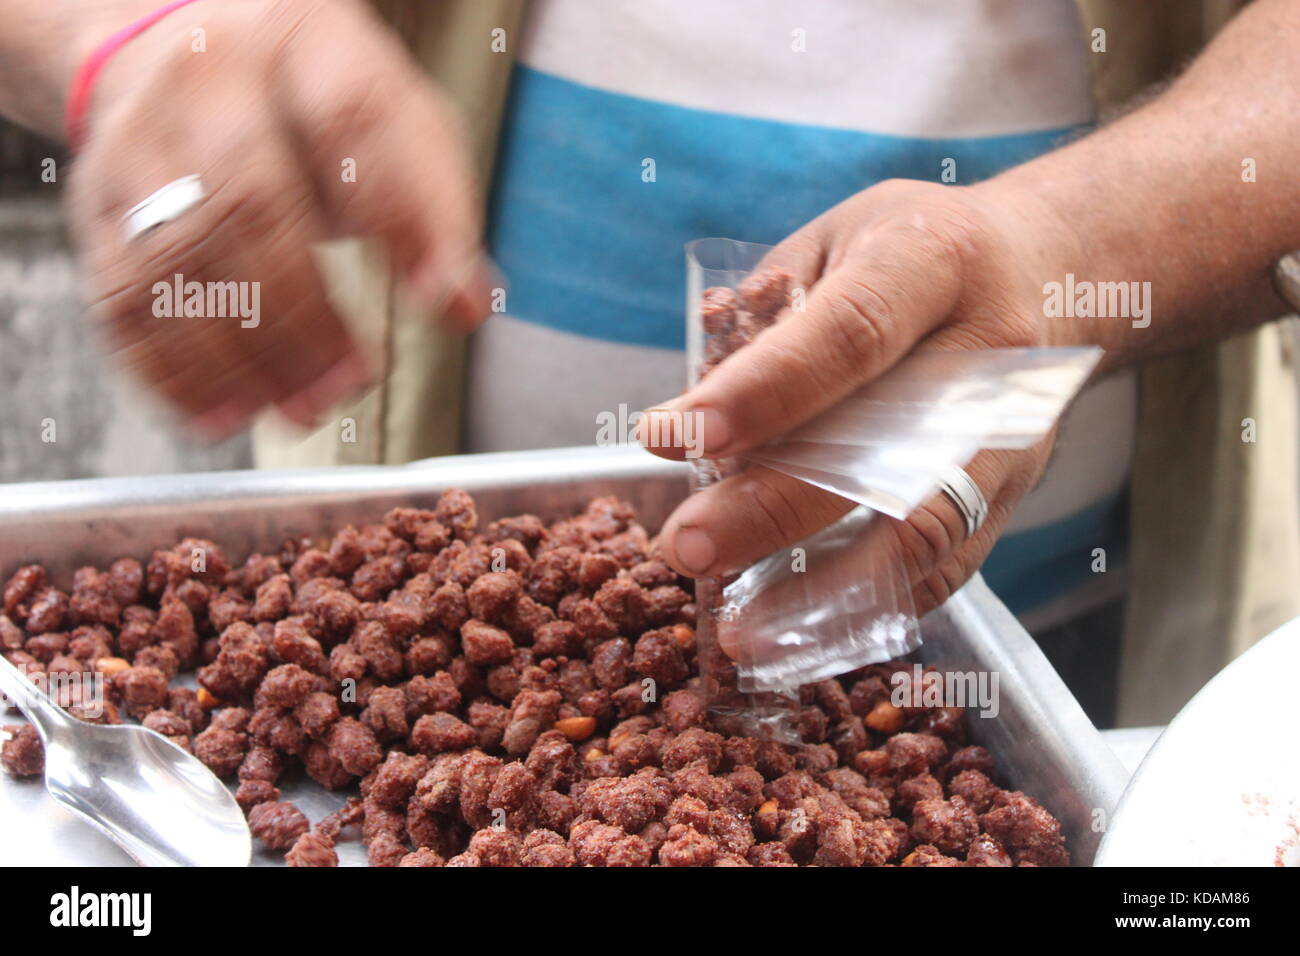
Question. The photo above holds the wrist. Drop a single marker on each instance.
(40, 50)
(92, 28)
(1050, 254)
(118, 31)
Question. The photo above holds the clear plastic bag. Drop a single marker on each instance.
(886, 445)
(841, 599)
(835, 602)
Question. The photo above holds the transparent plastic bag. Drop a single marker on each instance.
(886, 445)
(841, 599)
(835, 602)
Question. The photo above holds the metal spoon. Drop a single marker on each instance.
(157, 802)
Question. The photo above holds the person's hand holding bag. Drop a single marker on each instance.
(902, 266)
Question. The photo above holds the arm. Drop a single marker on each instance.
(1156, 197)
(1159, 195)
(40, 47)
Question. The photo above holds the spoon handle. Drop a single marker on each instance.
(31, 700)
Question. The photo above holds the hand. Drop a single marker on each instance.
(284, 95)
(901, 266)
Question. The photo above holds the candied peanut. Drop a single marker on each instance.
(871, 762)
(108, 666)
(576, 728)
(885, 718)
(405, 659)
(206, 699)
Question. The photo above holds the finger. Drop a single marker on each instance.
(301, 342)
(390, 162)
(957, 564)
(742, 518)
(803, 253)
(463, 300)
(304, 347)
(914, 565)
(121, 277)
(251, 235)
(901, 562)
(861, 318)
(939, 557)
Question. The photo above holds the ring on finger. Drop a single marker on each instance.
(170, 202)
(966, 495)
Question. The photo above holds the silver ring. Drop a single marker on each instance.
(968, 498)
(172, 201)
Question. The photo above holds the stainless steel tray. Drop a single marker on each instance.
(1043, 742)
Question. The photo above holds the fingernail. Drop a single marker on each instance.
(694, 549)
(713, 432)
(697, 431)
(440, 282)
(471, 302)
(650, 429)
(728, 639)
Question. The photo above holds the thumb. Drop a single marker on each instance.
(861, 318)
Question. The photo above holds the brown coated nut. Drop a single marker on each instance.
(767, 819)
(885, 718)
(871, 762)
(206, 700)
(108, 666)
(448, 723)
(576, 728)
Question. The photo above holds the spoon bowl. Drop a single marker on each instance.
(160, 804)
(157, 802)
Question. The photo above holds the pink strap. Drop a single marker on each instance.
(83, 83)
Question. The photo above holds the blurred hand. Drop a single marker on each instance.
(283, 99)
(903, 265)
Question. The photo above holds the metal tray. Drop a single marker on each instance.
(1041, 739)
